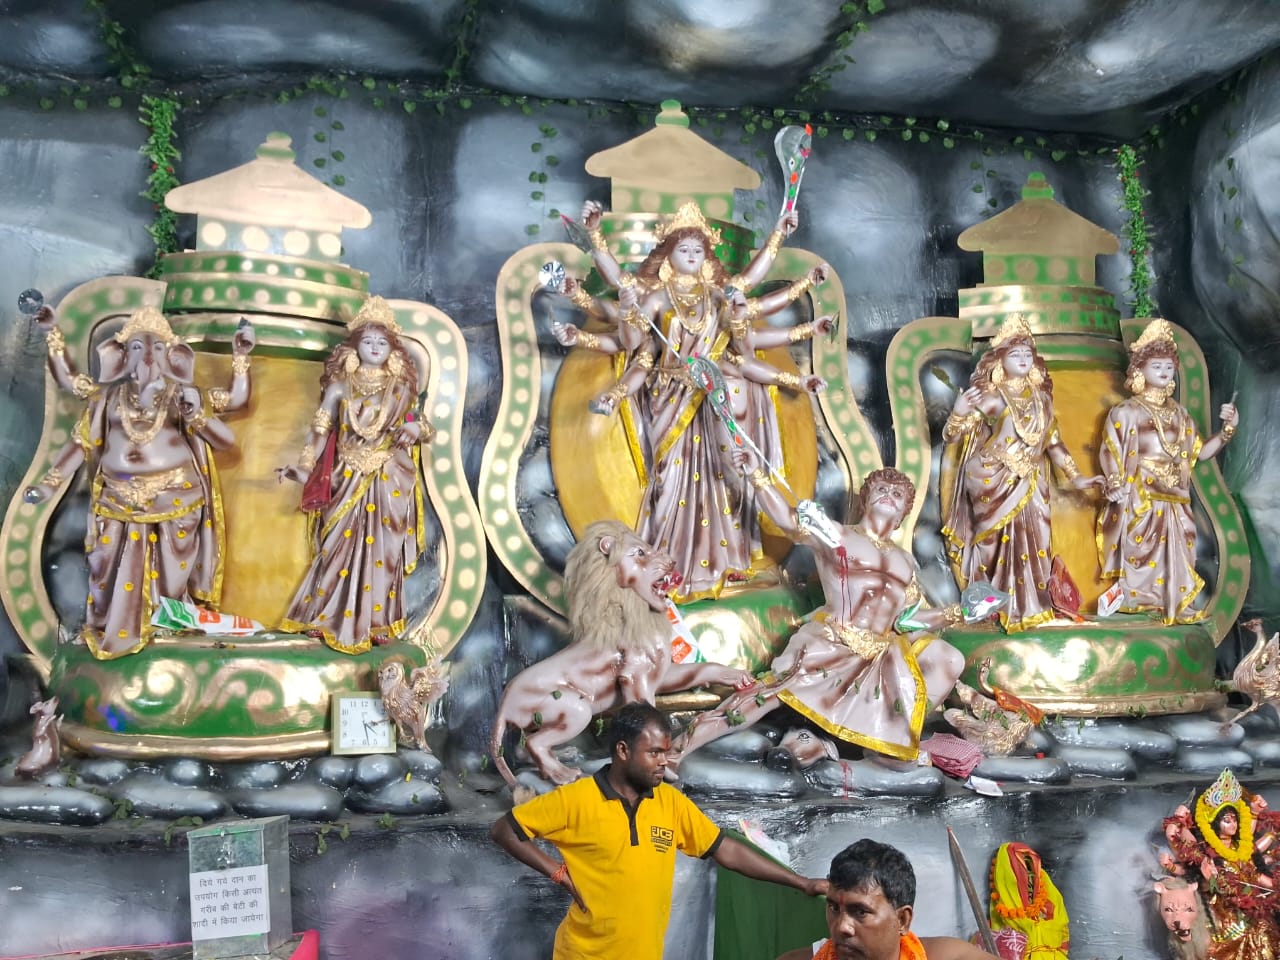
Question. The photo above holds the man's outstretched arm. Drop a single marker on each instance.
(740, 858)
(950, 948)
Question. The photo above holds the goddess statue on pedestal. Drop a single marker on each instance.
(360, 469)
(682, 305)
(997, 521)
(1146, 532)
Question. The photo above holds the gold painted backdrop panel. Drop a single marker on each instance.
(266, 534)
(592, 462)
(1081, 399)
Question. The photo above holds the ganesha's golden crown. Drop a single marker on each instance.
(147, 320)
(375, 311)
(689, 215)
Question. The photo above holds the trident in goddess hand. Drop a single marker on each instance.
(792, 146)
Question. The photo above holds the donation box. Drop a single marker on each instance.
(240, 893)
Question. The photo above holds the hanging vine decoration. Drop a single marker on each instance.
(853, 11)
(539, 176)
(130, 70)
(1228, 183)
(1136, 229)
(157, 114)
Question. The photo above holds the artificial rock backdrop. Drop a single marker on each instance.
(463, 125)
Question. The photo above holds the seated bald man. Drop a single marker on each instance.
(872, 890)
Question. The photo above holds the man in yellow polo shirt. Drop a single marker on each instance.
(618, 833)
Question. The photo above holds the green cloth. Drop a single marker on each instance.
(756, 920)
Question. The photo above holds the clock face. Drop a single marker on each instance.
(361, 725)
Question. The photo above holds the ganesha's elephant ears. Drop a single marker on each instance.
(111, 361)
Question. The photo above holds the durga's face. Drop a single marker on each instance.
(688, 255)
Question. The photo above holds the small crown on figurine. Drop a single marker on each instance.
(1014, 327)
(689, 215)
(1226, 789)
(376, 311)
(1157, 331)
(147, 320)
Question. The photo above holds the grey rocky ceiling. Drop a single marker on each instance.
(1110, 67)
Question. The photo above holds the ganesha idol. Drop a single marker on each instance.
(156, 523)
(190, 535)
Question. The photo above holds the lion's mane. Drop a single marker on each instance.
(602, 614)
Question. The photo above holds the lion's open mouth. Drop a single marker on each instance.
(668, 582)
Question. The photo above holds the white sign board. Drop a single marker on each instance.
(229, 903)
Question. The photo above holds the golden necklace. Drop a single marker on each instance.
(366, 382)
(692, 307)
(140, 425)
(1025, 410)
(1155, 400)
(881, 544)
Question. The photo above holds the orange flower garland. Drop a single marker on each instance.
(1035, 910)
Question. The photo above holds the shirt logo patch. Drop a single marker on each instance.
(661, 838)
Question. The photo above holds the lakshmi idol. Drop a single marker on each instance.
(1146, 532)
(997, 521)
(360, 469)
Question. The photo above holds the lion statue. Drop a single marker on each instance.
(1179, 904)
(616, 586)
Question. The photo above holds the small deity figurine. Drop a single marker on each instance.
(682, 304)
(408, 702)
(1217, 849)
(46, 745)
(155, 522)
(1028, 916)
(360, 469)
(1146, 531)
(997, 523)
(850, 669)
(1257, 675)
